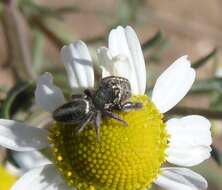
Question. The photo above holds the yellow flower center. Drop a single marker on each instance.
(125, 158)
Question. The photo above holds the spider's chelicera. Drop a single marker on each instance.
(113, 93)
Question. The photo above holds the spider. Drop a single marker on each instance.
(113, 93)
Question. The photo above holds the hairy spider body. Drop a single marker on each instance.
(112, 94)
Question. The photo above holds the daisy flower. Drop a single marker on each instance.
(125, 158)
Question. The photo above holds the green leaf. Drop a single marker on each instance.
(216, 155)
(128, 10)
(18, 97)
(158, 51)
(59, 29)
(38, 53)
(207, 85)
(202, 61)
(3, 89)
(32, 8)
(67, 9)
(216, 101)
(156, 39)
(1, 8)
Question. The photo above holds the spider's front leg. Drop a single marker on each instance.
(85, 121)
(97, 121)
(107, 113)
(127, 106)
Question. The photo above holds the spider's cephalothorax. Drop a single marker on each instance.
(113, 93)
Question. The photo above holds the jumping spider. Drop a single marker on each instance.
(112, 94)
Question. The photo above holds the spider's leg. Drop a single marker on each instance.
(97, 124)
(114, 116)
(88, 93)
(85, 122)
(74, 96)
(127, 106)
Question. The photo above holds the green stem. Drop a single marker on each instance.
(19, 55)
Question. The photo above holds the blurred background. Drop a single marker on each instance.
(32, 33)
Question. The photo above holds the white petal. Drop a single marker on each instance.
(42, 178)
(173, 84)
(78, 64)
(189, 156)
(17, 136)
(24, 161)
(47, 95)
(190, 140)
(124, 41)
(121, 67)
(12, 169)
(29, 160)
(113, 65)
(192, 129)
(105, 59)
(181, 179)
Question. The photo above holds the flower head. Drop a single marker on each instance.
(125, 157)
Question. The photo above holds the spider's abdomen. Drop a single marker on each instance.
(73, 111)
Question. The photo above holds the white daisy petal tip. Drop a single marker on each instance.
(105, 61)
(185, 59)
(45, 177)
(113, 65)
(47, 95)
(78, 64)
(124, 41)
(181, 179)
(192, 157)
(45, 78)
(173, 84)
(67, 50)
(104, 56)
(104, 51)
(190, 140)
(20, 137)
